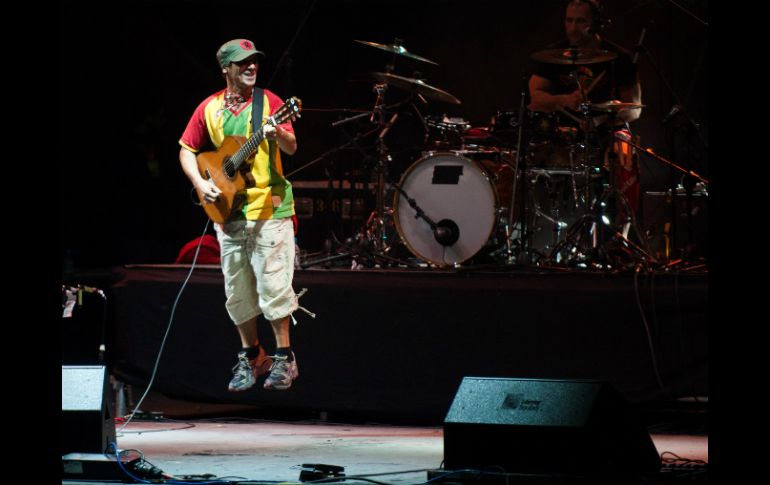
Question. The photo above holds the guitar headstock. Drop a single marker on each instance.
(288, 111)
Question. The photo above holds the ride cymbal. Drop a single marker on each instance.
(614, 106)
(573, 55)
(396, 49)
(416, 85)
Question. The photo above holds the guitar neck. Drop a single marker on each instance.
(240, 157)
(289, 110)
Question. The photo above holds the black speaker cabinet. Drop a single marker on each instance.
(545, 426)
(86, 406)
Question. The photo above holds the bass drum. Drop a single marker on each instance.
(460, 196)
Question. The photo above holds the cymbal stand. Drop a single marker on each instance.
(391, 67)
(519, 169)
(591, 225)
(595, 223)
(596, 205)
(375, 225)
(586, 226)
(375, 233)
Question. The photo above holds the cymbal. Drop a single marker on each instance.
(409, 84)
(573, 55)
(396, 49)
(614, 106)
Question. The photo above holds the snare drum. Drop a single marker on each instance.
(551, 144)
(460, 195)
(443, 131)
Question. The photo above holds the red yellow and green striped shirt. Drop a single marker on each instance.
(271, 197)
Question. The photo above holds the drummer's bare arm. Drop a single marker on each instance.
(543, 100)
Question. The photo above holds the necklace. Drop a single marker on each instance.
(231, 100)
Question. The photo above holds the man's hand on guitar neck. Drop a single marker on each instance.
(286, 140)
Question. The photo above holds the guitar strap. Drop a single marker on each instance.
(257, 103)
(257, 98)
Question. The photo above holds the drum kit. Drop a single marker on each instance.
(530, 188)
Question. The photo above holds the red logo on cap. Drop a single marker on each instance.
(246, 45)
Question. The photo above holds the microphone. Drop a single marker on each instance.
(446, 232)
(378, 88)
(638, 46)
(443, 235)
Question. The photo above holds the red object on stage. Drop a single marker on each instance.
(209, 252)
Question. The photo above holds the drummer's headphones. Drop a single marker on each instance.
(597, 14)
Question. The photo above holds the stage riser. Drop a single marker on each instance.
(399, 344)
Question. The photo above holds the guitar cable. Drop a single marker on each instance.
(168, 328)
(195, 199)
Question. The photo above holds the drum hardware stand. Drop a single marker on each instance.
(352, 143)
(558, 226)
(519, 167)
(592, 223)
(358, 248)
(375, 230)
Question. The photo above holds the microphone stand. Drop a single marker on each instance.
(654, 155)
(321, 157)
(444, 233)
(676, 110)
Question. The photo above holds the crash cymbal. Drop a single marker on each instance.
(409, 84)
(573, 55)
(396, 48)
(614, 106)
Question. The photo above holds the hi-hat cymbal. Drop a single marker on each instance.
(396, 49)
(573, 55)
(614, 106)
(409, 84)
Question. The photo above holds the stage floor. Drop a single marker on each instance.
(265, 451)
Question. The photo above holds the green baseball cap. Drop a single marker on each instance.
(237, 50)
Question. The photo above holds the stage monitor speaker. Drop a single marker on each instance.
(86, 405)
(545, 426)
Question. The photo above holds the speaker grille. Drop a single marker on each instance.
(87, 424)
(545, 426)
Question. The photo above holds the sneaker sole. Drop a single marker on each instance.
(280, 387)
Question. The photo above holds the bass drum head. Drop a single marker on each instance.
(453, 192)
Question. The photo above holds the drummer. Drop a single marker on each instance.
(604, 70)
(585, 68)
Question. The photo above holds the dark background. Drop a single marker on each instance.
(132, 77)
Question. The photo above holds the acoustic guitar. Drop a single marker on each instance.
(227, 166)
